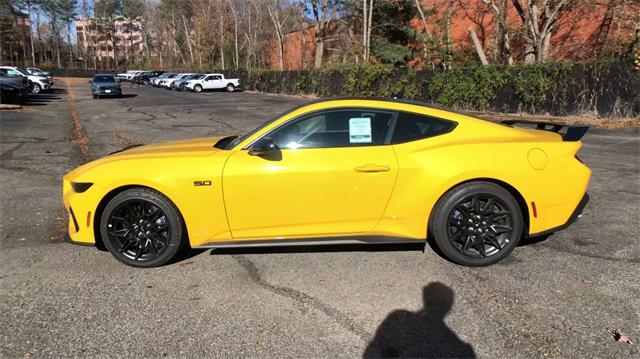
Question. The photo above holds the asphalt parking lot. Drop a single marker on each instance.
(557, 297)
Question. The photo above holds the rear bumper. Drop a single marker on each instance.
(577, 213)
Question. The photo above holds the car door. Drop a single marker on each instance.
(207, 82)
(334, 176)
(217, 82)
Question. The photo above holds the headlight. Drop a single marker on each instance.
(80, 187)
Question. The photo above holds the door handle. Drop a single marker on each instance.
(370, 167)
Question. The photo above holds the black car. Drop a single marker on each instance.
(105, 85)
(13, 88)
(143, 78)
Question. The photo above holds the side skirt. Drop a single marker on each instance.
(312, 242)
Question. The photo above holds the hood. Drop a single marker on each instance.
(199, 147)
(193, 147)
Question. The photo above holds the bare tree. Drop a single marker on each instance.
(367, 18)
(323, 12)
(500, 12)
(278, 19)
(539, 18)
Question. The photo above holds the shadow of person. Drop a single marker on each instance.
(422, 334)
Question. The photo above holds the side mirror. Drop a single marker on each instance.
(267, 149)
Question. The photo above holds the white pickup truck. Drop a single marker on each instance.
(213, 82)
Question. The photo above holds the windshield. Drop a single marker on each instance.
(198, 77)
(23, 70)
(104, 78)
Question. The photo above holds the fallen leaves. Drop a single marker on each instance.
(619, 336)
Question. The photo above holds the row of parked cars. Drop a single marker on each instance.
(187, 81)
(16, 83)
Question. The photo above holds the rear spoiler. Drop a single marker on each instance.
(572, 134)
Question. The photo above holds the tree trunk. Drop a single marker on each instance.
(369, 23)
(186, 33)
(70, 45)
(365, 22)
(33, 52)
(478, 47)
(319, 51)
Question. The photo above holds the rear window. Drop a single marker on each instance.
(413, 127)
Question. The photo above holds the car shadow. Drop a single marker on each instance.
(527, 241)
(56, 91)
(396, 247)
(185, 254)
(420, 334)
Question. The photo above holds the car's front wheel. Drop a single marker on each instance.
(197, 88)
(141, 228)
(36, 88)
(476, 224)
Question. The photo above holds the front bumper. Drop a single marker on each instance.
(81, 208)
(577, 213)
(112, 92)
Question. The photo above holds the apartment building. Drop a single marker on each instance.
(119, 39)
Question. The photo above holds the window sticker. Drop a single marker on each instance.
(360, 130)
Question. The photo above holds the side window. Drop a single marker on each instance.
(217, 77)
(337, 128)
(208, 78)
(412, 127)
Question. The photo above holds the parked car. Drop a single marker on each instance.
(159, 82)
(153, 81)
(181, 84)
(144, 78)
(338, 171)
(105, 85)
(38, 83)
(213, 82)
(169, 81)
(127, 76)
(37, 72)
(13, 87)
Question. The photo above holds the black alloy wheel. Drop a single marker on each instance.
(141, 228)
(480, 225)
(477, 224)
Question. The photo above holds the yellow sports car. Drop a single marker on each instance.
(335, 171)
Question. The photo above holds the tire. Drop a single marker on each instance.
(95, 96)
(230, 88)
(197, 88)
(182, 87)
(36, 88)
(470, 233)
(142, 228)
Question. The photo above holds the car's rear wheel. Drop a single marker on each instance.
(197, 88)
(476, 224)
(141, 228)
(230, 88)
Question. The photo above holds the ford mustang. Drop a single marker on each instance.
(333, 172)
